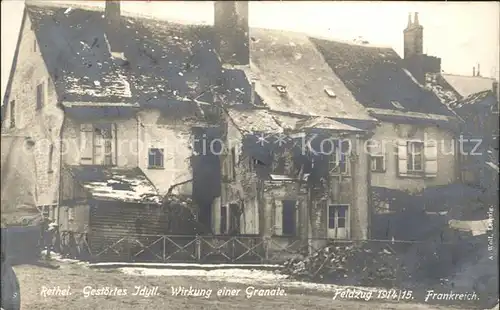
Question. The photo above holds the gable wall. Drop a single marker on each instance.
(43, 126)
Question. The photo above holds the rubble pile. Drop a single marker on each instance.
(348, 264)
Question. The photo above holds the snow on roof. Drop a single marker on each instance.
(468, 85)
(120, 184)
(324, 123)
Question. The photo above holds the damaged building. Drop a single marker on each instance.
(254, 133)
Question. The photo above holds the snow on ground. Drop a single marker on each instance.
(237, 275)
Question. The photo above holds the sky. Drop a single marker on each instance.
(462, 34)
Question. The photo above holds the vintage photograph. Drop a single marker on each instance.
(249, 154)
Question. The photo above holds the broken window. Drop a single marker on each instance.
(415, 156)
(289, 217)
(337, 216)
(97, 144)
(155, 159)
(223, 220)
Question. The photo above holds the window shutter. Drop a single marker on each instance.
(86, 143)
(278, 219)
(430, 155)
(402, 158)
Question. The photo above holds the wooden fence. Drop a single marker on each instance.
(182, 248)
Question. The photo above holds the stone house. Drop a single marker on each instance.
(413, 144)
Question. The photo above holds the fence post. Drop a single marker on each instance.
(164, 249)
(266, 248)
(198, 248)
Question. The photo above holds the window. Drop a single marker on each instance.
(35, 47)
(223, 219)
(289, 220)
(337, 216)
(40, 96)
(12, 117)
(155, 158)
(97, 143)
(377, 163)
(51, 154)
(415, 156)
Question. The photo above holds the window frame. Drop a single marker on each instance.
(410, 161)
(336, 217)
(157, 151)
(377, 169)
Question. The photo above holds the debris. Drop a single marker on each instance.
(363, 264)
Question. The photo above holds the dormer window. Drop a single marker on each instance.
(280, 88)
(397, 105)
(330, 92)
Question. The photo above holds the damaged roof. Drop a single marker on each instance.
(76, 54)
(169, 63)
(442, 89)
(165, 61)
(117, 184)
(378, 79)
(473, 99)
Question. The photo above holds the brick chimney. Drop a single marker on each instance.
(418, 63)
(231, 32)
(413, 38)
(112, 17)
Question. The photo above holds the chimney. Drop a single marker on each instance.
(478, 70)
(473, 71)
(231, 30)
(113, 24)
(413, 38)
(415, 20)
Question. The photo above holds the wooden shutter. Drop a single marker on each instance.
(402, 158)
(278, 219)
(86, 144)
(430, 157)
